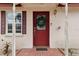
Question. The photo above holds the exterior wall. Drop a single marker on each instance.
(73, 20)
(56, 39)
(26, 41)
(57, 36)
(5, 37)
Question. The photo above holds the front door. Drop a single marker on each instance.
(41, 28)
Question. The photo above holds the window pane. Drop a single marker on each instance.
(18, 18)
(9, 28)
(18, 22)
(18, 28)
(9, 21)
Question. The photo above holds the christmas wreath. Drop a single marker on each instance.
(41, 21)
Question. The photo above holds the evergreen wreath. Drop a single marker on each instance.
(41, 21)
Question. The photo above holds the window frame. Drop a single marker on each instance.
(13, 24)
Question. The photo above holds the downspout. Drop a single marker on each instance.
(66, 30)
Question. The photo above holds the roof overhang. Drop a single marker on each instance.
(73, 4)
(6, 4)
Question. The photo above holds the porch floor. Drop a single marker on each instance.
(33, 52)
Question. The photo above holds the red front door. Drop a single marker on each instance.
(41, 28)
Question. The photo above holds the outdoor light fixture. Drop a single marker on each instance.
(58, 5)
(55, 12)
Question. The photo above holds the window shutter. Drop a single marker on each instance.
(3, 22)
(23, 22)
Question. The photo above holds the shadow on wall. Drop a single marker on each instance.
(5, 48)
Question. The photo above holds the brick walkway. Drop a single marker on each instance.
(33, 52)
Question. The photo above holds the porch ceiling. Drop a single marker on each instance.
(73, 4)
(40, 5)
(6, 4)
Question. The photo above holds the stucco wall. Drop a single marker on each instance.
(57, 36)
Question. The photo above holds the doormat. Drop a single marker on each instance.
(41, 49)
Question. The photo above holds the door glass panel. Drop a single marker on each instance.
(41, 22)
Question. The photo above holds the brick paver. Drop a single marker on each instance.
(33, 52)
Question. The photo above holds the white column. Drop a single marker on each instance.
(13, 45)
(66, 30)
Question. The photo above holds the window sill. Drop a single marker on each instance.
(16, 35)
(8, 35)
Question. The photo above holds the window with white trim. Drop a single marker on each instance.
(18, 22)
